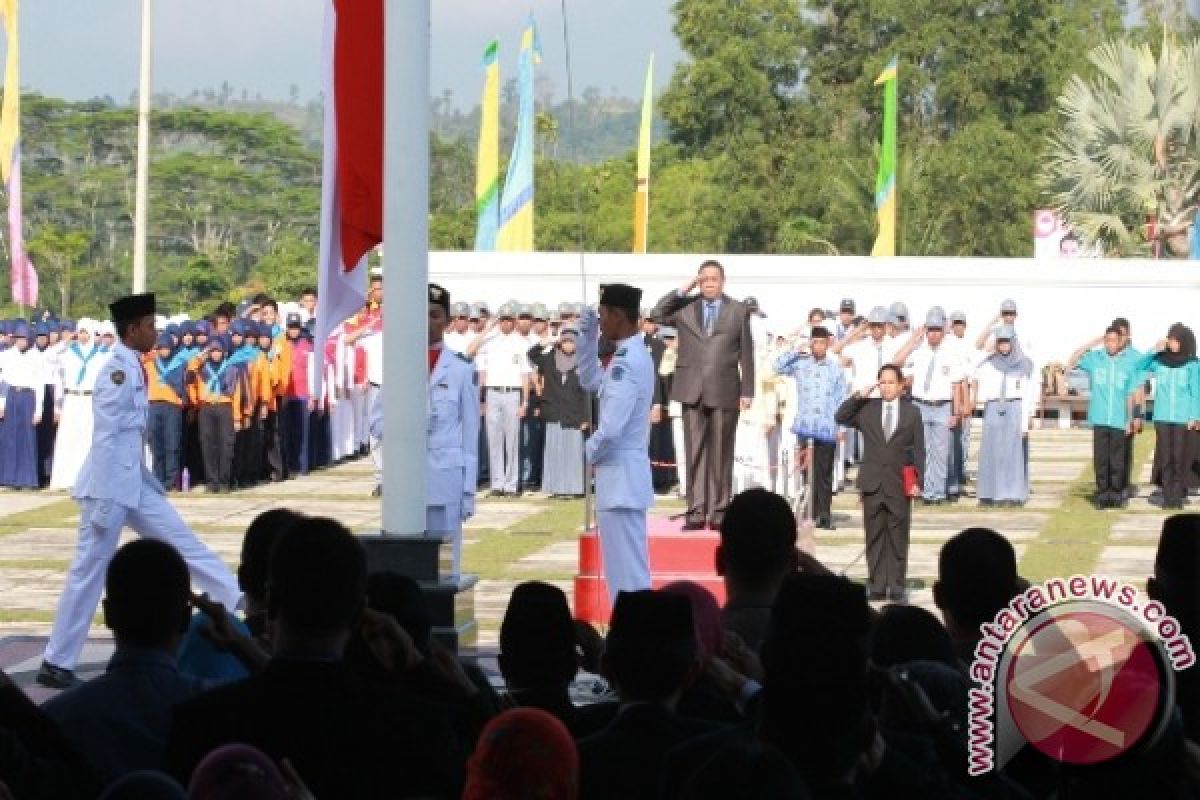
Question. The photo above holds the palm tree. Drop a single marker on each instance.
(1127, 149)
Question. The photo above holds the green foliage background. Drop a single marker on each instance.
(766, 142)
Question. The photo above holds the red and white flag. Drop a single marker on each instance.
(352, 172)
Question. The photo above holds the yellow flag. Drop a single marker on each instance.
(10, 110)
(641, 198)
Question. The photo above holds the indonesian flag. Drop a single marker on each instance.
(352, 171)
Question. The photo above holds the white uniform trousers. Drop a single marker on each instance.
(359, 407)
(73, 442)
(447, 519)
(680, 457)
(99, 534)
(370, 391)
(625, 550)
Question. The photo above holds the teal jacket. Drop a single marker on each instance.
(1176, 390)
(1113, 379)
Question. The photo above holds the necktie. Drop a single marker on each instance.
(889, 423)
(929, 372)
(710, 316)
(879, 358)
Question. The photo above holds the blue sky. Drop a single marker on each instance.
(86, 48)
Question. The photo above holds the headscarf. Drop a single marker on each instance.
(237, 771)
(222, 377)
(525, 754)
(1015, 362)
(564, 362)
(1187, 347)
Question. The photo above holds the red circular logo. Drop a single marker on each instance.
(1084, 687)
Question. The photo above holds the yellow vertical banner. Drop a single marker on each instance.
(641, 198)
(10, 110)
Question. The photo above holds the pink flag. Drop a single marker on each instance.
(24, 277)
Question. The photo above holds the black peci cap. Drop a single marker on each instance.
(621, 295)
(134, 306)
(440, 296)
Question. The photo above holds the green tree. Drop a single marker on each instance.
(1128, 147)
(56, 253)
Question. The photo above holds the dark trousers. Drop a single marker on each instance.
(295, 434)
(248, 448)
(886, 520)
(165, 432)
(215, 424)
(1171, 440)
(1110, 451)
(822, 479)
(320, 443)
(193, 458)
(533, 448)
(46, 431)
(274, 464)
(708, 435)
(662, 455)
(484, 459)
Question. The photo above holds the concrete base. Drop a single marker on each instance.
(427, 559)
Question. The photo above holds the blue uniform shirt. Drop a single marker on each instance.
(820, 390)
(1176, 390)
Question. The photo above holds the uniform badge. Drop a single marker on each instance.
(118, 377)
(946, 370)
(621, 352)
(618, 372)
(516, 359)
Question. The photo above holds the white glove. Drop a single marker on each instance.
(468, 506)
(589, 324)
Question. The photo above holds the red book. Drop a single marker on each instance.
(911, 487)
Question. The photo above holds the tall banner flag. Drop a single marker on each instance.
(885, 181)
(23, 280)
(516, 203)
(641, 198)
(352, 167)
(487, 170)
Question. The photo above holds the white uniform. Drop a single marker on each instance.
(617, 450)
(868, 357)
(114, 488)
(451, 447)
(78, 367)
(504, 360)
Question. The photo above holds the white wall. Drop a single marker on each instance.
(1061, 303)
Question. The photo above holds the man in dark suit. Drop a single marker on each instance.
(344, 737)
(894, 438)
(714, 382)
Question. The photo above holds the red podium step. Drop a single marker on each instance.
(675, 555)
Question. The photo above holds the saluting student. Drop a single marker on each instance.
(1009, 389)
(1112, 378)
(565, 409)
(166, 374)
(114, 488)
(1176, 374)
(617, 448)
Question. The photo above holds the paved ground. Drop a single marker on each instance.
(37, 537)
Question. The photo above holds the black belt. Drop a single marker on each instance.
(21, 389)
(376, 385)
(504, 388)
(934, 403)
(79, 392)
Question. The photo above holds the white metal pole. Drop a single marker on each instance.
(405, 263)
(143, 155)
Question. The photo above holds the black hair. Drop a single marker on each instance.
(147, 594)
(758, 538)
(712, 262)
(269, 302)
(890, 368)
(262, 534)
(977, 576)
(1122, 324)
(308, 290)
(819, 332)
(909, 633)
(318, 577)
(645, 665)
(630, 314)
(1113, 329)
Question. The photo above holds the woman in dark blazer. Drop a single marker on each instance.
(565, 411)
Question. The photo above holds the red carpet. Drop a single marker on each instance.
(675, 555)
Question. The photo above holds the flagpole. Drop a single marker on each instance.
(143, 156)
(405, 262)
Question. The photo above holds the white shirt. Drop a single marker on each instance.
(935, 372)
(459, 342)
(504, 358)
(868, 357)
(372, 345)
(992, 386)
(23, 370)
(894, 405)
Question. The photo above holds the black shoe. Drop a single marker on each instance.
(377, 491)
(497, 493)
(53, 677)
(876, 597)
(694, 525)
(899, 596)
(825, 523)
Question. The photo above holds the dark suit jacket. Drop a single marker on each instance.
(625, 760)
(714, 371)
(884, 459)
(343, 738)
